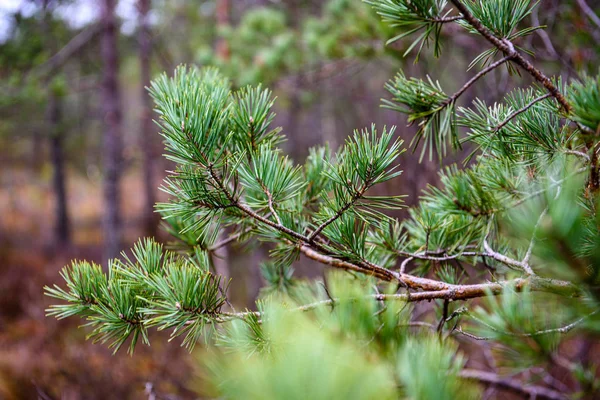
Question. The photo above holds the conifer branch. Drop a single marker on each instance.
(506, 260)
(475, 78)
(507, 47)
(452, 292)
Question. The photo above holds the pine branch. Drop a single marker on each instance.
(434, 289)
(506, 260)
(339, 212)
(520, 111)
(471, 81)
(230, 239)
(507, 47)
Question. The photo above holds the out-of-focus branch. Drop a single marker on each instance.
(587, 10)
(74, 46)
(514, 385)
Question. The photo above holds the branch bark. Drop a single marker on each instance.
(508, 48)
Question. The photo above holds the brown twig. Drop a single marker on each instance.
(508, 48)
(474, 79)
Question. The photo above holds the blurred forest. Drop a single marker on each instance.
(81, 159)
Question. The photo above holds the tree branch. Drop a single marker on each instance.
(441, 290)
(514, 385)
(562, 329)
(507, 47)
(474, 79)
(339, 213)
(73, 47)
(520, 111)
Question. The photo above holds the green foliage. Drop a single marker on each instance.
(261, 47)
(152, 289)
(345, 29)
(443, 365)
(315, 364)
(531, 136)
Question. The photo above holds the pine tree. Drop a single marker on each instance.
(505, 249)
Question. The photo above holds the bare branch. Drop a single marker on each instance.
(230, 239)
(474, 79)
(434, 289)
(563, 329)
(70, 49)
(506, 260)
(520, 111)
(514, 385)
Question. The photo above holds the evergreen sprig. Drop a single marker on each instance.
(415, 16)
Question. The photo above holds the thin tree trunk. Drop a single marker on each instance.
(223, 11)
(147, 132)
(62, 227)
(111, 100)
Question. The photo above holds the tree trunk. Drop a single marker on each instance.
(111, 100)
(147, 133)
(222, 13)
(62, 227)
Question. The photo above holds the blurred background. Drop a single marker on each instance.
(81, 158)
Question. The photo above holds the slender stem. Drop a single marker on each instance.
(405, 264)
(229, 240)
(339, 213)
(578, 154)
(562, 329)
(474, 79)
(520, 111)
(445, 19)
(270, 200)
(507, 47)
(448, 295)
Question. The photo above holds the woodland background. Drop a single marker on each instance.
(80, 157)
